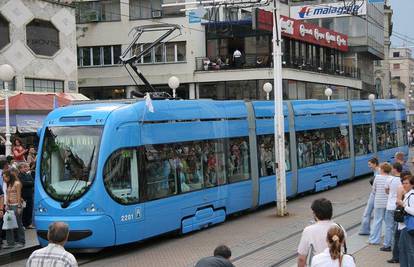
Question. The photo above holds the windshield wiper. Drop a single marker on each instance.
(72, 190)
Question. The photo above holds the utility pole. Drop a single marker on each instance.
(278, 117)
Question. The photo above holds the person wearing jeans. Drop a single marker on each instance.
(380, 202)
(391, 188)
(406, 244)
(366, 218)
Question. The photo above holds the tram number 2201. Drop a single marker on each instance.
(131, 216)
(127, 217)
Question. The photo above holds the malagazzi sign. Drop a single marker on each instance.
(302, 31)
(329, 10)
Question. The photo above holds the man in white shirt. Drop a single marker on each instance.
(237, 57)
(54, 255)
(313, 238)
(391, 187)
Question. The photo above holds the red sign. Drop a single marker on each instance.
(299, 30)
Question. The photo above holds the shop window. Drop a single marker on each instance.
(99, 55)
(363, 139)
(96, 11)
(42, 37)
(11, 84)
(38, 85)
(267, 161)
(322, 145)
(4, 32)
(121, 176)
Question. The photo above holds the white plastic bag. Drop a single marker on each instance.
(9, 220)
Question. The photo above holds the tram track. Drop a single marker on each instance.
(107, 253)
(295, 234)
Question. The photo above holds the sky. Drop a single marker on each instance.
(403, 20)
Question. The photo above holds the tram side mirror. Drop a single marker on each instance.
(39, 132)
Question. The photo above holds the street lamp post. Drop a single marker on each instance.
(278, 117)
(173, 83)
(267, 87)
(7, 74)
(328, 93)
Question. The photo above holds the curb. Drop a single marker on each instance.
(17, 255)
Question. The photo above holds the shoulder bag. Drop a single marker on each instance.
(409, 219)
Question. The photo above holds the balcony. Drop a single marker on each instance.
(254, 61)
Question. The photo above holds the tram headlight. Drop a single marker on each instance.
(41, 209)
(91, 208)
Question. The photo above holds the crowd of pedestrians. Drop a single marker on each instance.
(391, 203)
(16, 195)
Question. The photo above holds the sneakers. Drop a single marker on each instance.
(363, 233)
(385, 248)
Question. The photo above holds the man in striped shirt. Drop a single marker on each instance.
(380, 202)
(54, 255)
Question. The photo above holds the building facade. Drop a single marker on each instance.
(38, 38)
(203, 55)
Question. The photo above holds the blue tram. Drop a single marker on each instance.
(117, 173)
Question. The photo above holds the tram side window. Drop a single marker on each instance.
(266, 145)
(322, 145)
(401, 133)
(183, 167)
(363, 139)
(121, 176)
(238, 159)
(386, 135)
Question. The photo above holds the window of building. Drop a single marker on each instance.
(174, 10)
(12, 85)
(164, 53)
(144, 9)
(121, 176)
(42, 37)
(396, 66)
(4, 32)
(363, 139)
(95, 11)
(38, 85)
(99, 55)
(266, 150)
(322, 145)
(396, 54)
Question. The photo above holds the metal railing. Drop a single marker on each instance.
(250, 61)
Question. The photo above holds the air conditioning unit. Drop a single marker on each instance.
(156, 13)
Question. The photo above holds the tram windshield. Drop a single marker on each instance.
(69, 159)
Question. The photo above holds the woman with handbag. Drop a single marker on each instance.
(406, 244)
(14, 203)
(333, 255)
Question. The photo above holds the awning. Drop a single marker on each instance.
(24, 123)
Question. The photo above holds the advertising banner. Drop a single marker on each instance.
(329, 10)
(302, 31)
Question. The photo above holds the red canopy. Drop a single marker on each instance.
(36, 102)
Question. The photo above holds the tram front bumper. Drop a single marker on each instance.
(84, 231)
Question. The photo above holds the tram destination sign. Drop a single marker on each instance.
(329, 10)
(296, 29)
